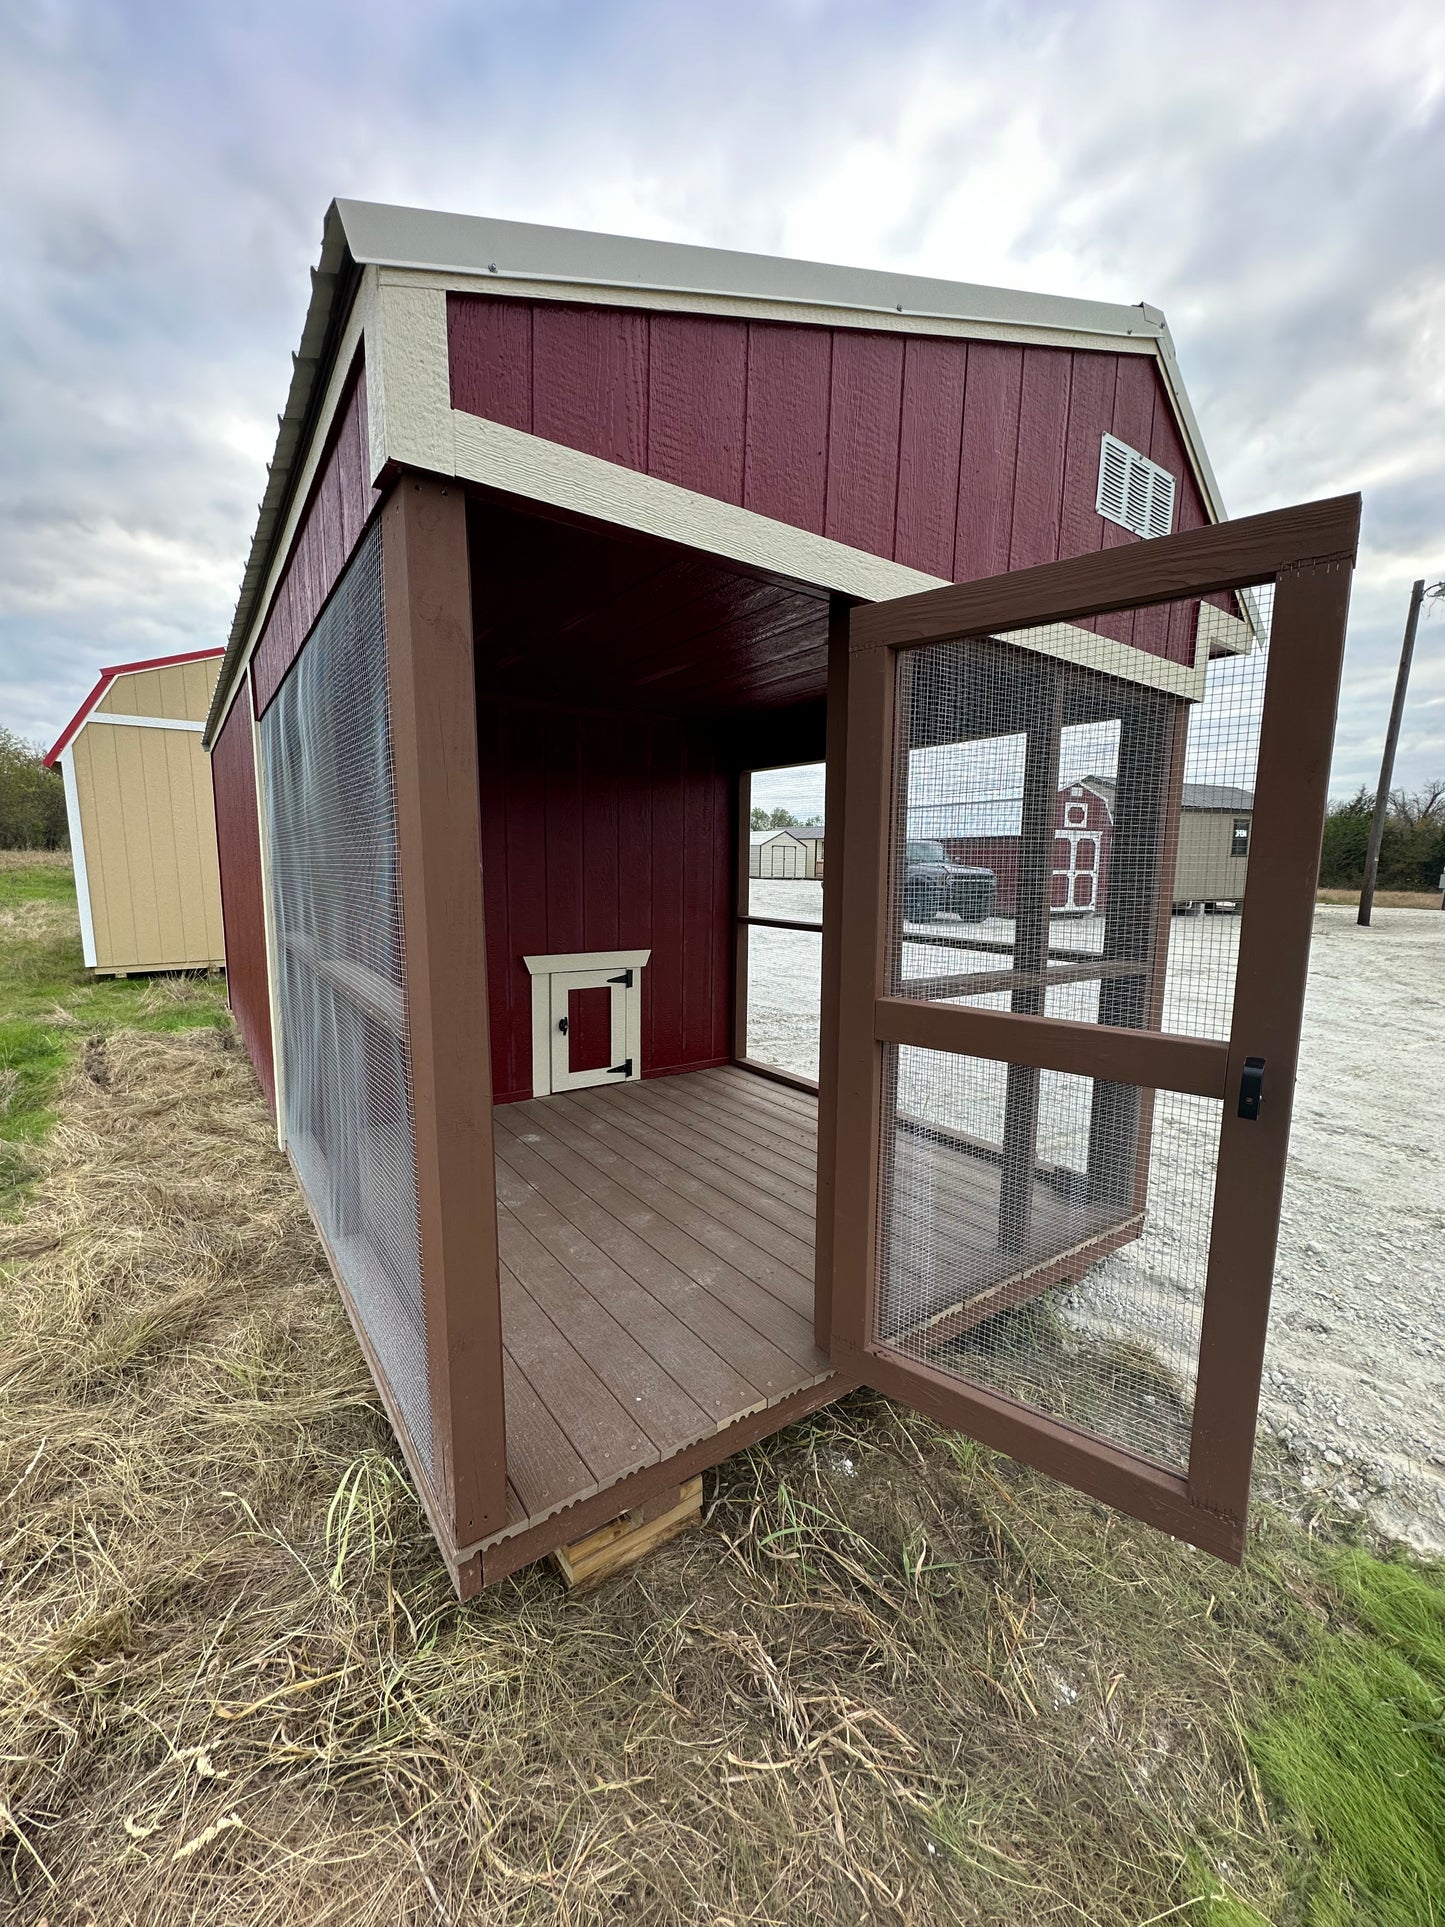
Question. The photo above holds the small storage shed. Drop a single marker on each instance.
(142, 823)
(778, 853)
(566, 536)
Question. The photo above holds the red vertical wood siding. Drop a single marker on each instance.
(238, 839)
(340, 502)
(964, 458)
(605, 832)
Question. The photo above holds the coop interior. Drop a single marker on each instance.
(655, 1196)
(654, 970)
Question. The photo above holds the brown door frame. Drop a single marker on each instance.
(1308, 554)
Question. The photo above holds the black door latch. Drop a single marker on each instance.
(1251, 1087)
(562, 1025)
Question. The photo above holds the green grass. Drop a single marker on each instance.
(1353, 1751)
(898, 1678)
(50, 1004)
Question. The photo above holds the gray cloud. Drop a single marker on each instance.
(1267, 174)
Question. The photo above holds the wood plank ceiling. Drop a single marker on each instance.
(580, 616)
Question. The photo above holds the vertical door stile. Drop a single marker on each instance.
(834, 807)
(1031, 953)
(863, 920)
(1291, 793)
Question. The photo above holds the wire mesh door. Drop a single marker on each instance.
(1070, 997)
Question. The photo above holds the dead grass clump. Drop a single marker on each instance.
(896, 1680)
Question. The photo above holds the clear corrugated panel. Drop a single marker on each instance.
(1041, 851)
(336, 906)
(1070, 840)
(1046, 1237)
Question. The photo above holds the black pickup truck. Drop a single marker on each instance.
(935, 886)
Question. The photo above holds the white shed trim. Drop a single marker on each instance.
(77, 855)
(141, 722)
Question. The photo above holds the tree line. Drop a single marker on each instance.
(1412, 854)
(780, 820)
(32, 797)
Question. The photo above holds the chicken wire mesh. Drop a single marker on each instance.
(1035, 825)
(1067, 843)
(337, 915)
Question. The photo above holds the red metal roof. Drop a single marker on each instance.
(106, 678)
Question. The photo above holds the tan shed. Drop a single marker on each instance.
(142, 819)
(1214, 832)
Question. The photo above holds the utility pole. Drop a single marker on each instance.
(1387, 765)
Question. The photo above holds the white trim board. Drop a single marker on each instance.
(139, 722)
(801, 313)
(587, 960)
(568, 963)
(77, 854)
(540, 471)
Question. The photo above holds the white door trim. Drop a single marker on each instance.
(594, 967)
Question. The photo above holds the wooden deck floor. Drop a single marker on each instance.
(657, 1273)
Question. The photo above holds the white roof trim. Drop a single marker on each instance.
(502, 251)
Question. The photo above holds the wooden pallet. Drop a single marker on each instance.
(623, 1541)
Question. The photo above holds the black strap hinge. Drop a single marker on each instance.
(625, 980)
(623, 1069)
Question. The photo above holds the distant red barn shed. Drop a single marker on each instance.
(1083, 835)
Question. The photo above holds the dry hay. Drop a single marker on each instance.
(889, 1682)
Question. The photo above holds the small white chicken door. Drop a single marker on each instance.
(586, 1019)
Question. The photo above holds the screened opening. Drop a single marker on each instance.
(1044, 1235)
(656, 1230)
(780, 917)
(337, 912)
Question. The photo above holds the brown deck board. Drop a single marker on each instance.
(710, 1254)
(780, 1097)
(758, 1115)
(635, 1131)
(960, 1193)
(715, 1384)
(656, 1278)
(661, 1407)
(604, 1434)
(648, 1176)
(766, 1366)
(793, 1155)
(716, 1149)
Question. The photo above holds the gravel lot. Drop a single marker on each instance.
(1355, 1372)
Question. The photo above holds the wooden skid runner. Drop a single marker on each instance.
(623, 1541)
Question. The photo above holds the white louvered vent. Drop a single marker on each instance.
(1133, 491)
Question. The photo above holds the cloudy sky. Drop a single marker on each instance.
(1272, 176)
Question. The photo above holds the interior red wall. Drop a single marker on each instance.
(607, 832)
(964, 458)
(238, 838)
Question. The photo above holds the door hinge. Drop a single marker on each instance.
(625, 980)
(623, 1069)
